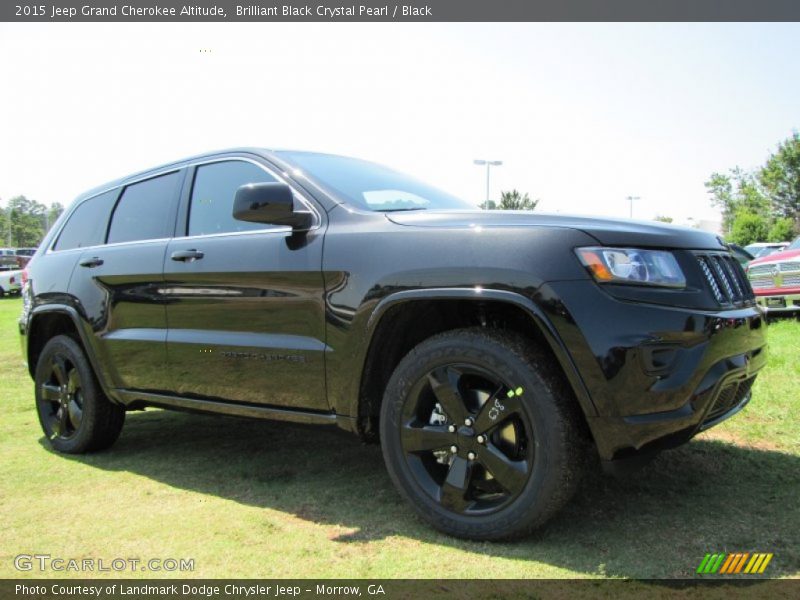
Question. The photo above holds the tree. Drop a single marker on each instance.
(780, 177)
(27, 219)
(663, 219)
(512, 200)
(55, 210)
(782, 230)
(748, 227)
(735, 192)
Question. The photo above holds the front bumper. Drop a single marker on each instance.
(779, 303)
(657, 375)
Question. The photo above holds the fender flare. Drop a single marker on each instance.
(85, 338)
(540, 319)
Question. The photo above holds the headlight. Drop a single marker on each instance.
(633, 266)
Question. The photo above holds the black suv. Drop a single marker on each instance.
(490, 352)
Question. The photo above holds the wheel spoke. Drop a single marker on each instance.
(444, 383)
(454, 489)
(73, 381)
(496, 410)
(60, 369)
(75, 413)
(60, 422)
(510, 474)
(50, 392)
(426, 438)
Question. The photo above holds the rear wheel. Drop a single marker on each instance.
(74, 413)
(479, 435)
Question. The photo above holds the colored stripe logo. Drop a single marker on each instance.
(734, 563)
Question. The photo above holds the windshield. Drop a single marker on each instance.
(795, 245)
(371, 186)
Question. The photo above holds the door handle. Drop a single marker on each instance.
(187, 255)
(91, 263)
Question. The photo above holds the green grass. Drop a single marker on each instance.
(263, 499)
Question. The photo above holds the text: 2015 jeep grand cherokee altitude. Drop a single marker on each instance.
(489, 351)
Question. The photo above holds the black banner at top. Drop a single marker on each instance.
(407, 10)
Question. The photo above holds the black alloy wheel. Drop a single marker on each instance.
(481, 434)
(466, 439)
(61, 397)
(75, 414)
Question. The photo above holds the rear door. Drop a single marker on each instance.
(119, 284)
(245, 303)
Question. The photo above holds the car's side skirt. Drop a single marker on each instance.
(135, 400)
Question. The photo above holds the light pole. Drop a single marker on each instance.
(631, 199)
(489, 164)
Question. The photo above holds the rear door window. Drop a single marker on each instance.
(146, 210)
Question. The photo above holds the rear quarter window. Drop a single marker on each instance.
(87, 224)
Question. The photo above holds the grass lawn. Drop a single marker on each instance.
(263, 499)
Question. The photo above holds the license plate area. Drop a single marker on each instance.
(777, 302)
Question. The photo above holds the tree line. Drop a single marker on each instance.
(24, 222)
(762, 205)
(512, 200)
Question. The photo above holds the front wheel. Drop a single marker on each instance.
(480, 435)
(74, 413)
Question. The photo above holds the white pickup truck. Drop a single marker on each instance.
(10, 282)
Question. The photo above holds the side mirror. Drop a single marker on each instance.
(271, 203)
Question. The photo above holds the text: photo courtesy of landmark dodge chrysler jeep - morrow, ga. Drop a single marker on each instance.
(489, 352)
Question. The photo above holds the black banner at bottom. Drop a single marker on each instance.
(379, 589)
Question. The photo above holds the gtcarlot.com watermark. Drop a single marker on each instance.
(47, 562)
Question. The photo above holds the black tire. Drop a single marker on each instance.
(74, 413)
(2, 292)
(504, 485)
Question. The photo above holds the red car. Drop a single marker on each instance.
(776, 280)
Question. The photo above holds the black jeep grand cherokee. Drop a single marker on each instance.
(488, 351)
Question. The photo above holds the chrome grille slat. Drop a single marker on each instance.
(761, 283)
(791, 281)
(760, 270)
(712, 281)
(725, 277)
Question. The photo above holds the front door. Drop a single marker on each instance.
(244, 300)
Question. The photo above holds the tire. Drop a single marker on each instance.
(74, 413)
(2, 292)
(534, 444)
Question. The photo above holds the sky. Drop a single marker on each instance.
(582, 115)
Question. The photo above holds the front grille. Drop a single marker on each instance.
(775, 275)
(729, 398)
(726, 278)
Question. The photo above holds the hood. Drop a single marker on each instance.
(612, 232)
(776, 257)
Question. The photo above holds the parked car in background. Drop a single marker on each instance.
(776, 280)
(15, 258)
(24, 256)
(742, 255)
(8, 259)
(761, 249)
(10, 282)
